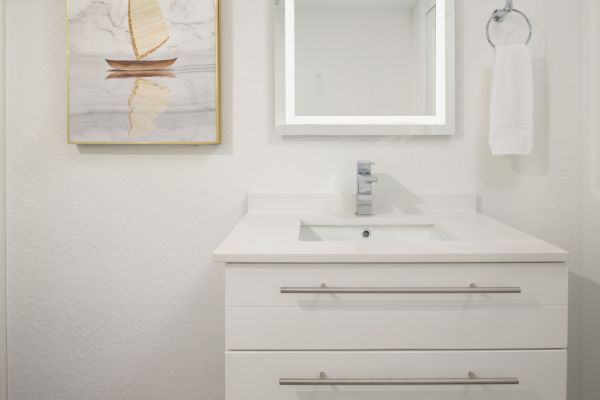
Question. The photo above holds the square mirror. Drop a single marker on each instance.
(365, 67)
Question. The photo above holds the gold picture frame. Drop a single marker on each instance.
(217, 88)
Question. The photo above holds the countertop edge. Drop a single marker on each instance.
(558, 257)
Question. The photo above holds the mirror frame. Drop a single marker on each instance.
(442, 123)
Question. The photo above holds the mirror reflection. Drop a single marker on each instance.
(365, 57)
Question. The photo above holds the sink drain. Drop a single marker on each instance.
(366, 233)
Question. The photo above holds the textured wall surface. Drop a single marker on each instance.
(111, 288)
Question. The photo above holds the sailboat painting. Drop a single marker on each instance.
(143, 72)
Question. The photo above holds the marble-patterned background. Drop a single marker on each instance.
(178, 105)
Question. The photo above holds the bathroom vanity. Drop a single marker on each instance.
(428, 299)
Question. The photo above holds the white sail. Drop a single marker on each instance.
(147, 27)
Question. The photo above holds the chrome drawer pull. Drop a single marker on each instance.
(472, 289)
(471, 380)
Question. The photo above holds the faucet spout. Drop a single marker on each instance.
(364, 188)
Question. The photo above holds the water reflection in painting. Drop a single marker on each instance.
(147, 102)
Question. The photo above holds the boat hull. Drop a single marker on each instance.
(135, 65)
(140, 74)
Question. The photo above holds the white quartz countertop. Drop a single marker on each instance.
(273, 237)
(270, 232)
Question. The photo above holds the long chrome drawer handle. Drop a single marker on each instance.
(472, 380)
(472, 289)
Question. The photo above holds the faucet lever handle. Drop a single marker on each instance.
(364, 166)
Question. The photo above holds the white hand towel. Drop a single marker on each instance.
(511, 106)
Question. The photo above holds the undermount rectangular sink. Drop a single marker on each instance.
(401, 233)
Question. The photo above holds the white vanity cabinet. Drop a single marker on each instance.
(397, 322)
(531, 375)
(400, 323)
(273, 307)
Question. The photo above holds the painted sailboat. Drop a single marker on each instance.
(148, 32)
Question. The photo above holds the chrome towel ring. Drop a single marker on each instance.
(500, 14)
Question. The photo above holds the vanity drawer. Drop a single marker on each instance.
(394, 285)
(296, 328)
(506, 375)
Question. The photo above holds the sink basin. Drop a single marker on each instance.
(401, 233)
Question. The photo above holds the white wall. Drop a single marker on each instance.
(111, 288)
(591, 203)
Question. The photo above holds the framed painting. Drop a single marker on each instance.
(143, 72)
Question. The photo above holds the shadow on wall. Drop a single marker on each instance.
(574, 352)
(591, 338)
(225, 148)
(537, 163)
(396, 197)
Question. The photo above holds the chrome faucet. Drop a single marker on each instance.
(364, 188)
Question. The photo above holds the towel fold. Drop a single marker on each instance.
(511, 105)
